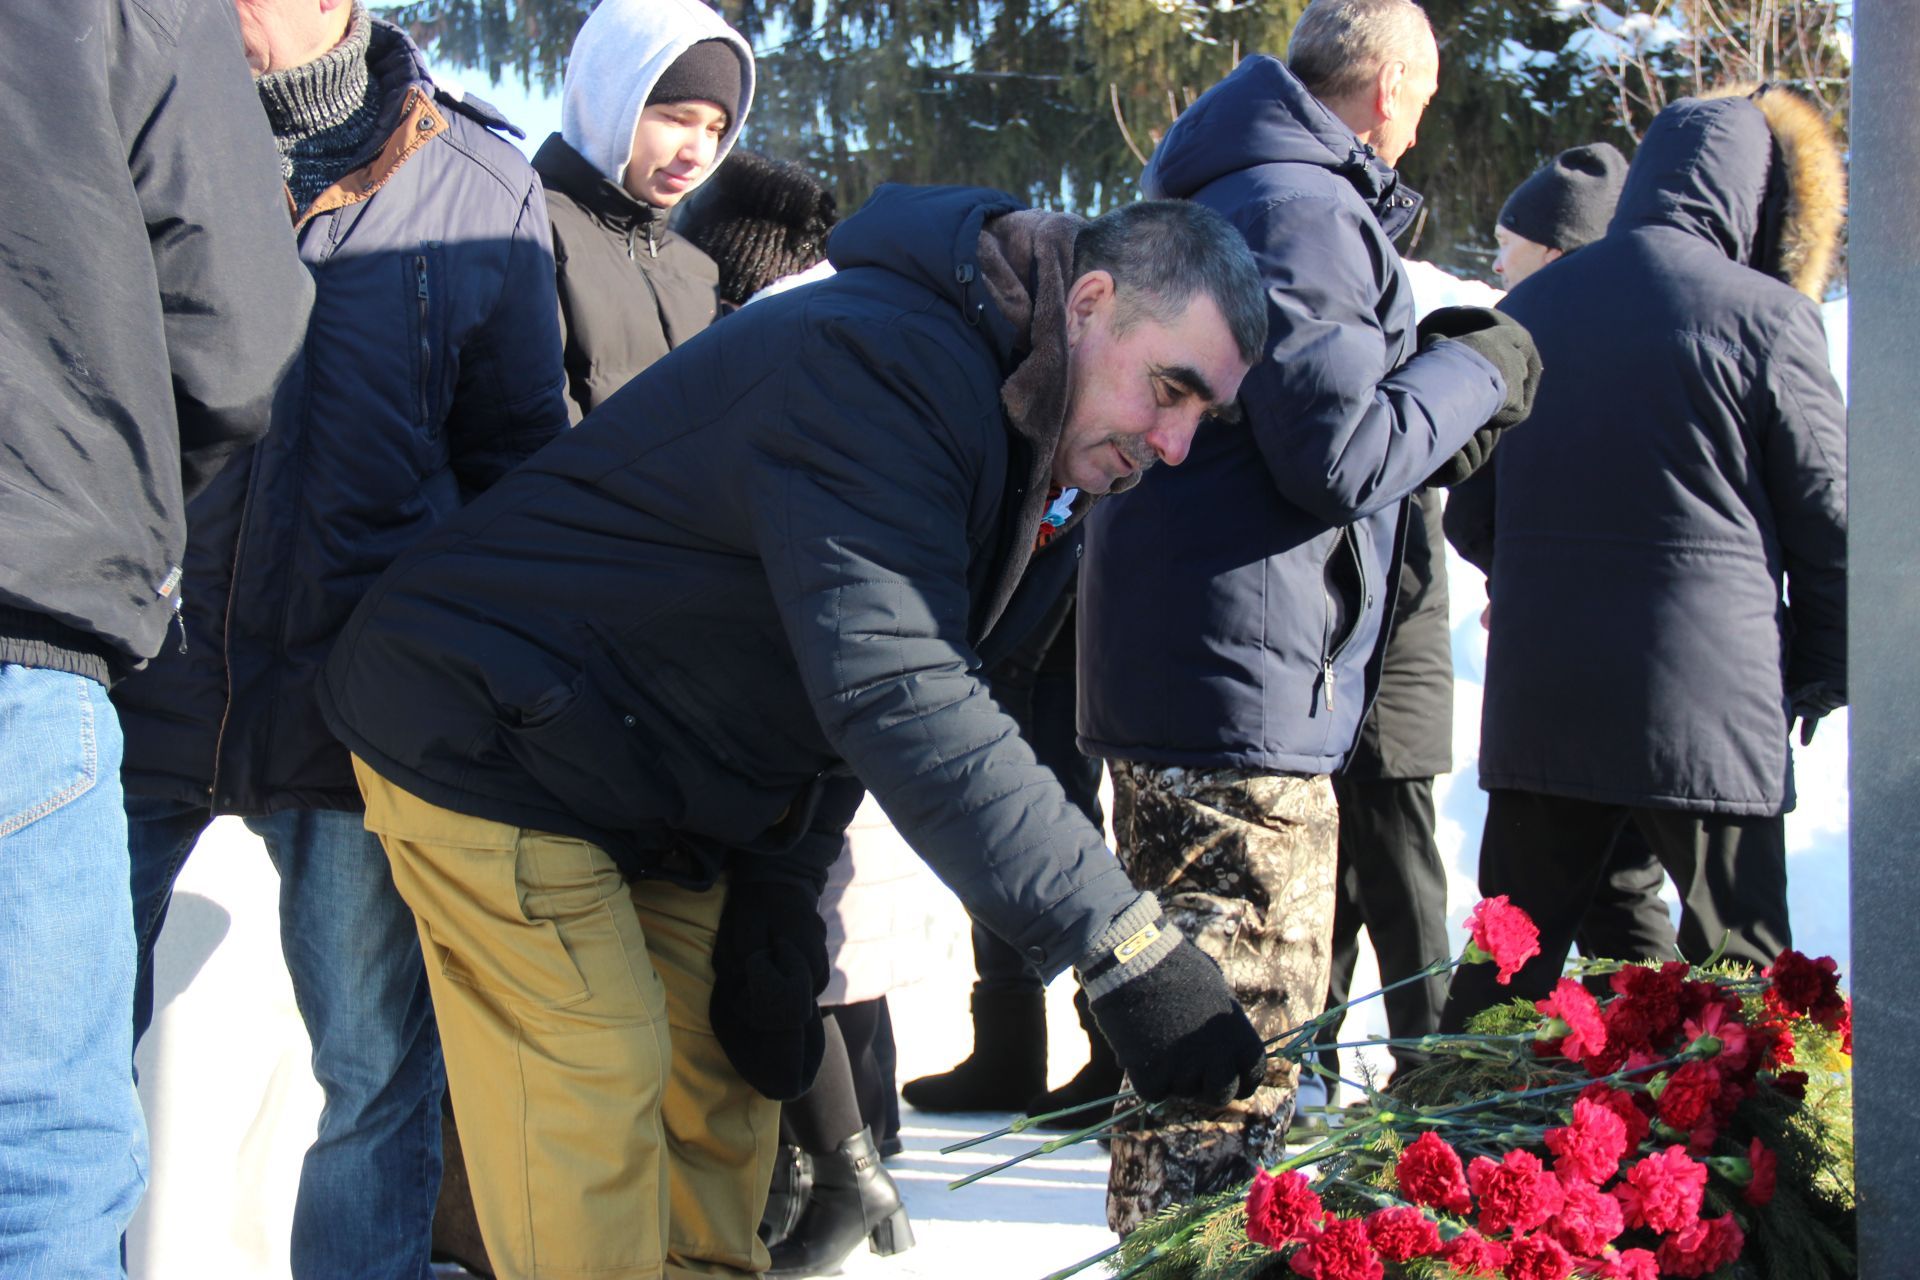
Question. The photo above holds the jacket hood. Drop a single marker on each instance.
(931, 235)
(1262, 114)
(619, 55)
(1757, 173)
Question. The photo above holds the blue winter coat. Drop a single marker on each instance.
(1687, 451)
(1230, 607)
(431, 368)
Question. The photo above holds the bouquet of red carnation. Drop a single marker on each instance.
(1686, 1121)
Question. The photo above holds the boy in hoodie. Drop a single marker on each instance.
(655, 95)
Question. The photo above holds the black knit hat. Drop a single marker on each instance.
(1569, 200)
(759, 219)
(710, 72)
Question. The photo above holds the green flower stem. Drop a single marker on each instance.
(1048, 1148)
(1021, 1124)
(1084, 1263)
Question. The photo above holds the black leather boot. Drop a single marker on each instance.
(787, 1196)
(853, 1199)
(1100, 1078)
(1008, 1064)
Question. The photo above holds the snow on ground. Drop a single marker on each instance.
(231, 1104)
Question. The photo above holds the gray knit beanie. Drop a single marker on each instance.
(1569, 200)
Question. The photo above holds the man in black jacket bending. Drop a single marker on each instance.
(612, 720)
(150, 300)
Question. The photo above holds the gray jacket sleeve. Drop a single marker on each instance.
(234, 294)
(862, 516)
(1803, 443)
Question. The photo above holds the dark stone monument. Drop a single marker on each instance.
(1884, 629)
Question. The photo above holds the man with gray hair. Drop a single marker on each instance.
(1232, 613)
(612, 721)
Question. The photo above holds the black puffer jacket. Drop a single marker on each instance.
(1687, 453)
(769, 560)
(149, 301)
(431, 369)
(630, 289)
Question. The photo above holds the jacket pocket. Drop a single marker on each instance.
(422, 290)
(1344, 588)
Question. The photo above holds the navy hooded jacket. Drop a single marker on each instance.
(775, 559)
(1686, 453)
(1230, 607)
(431, 368)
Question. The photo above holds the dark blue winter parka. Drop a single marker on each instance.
(768, 564)
(1686, 453)
(431, 368)
(1230, 607)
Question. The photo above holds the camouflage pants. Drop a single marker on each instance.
(1245, 864)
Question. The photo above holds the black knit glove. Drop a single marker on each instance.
(1505, 344)
(1164, 1006)
(769, 968)
(1812, 701)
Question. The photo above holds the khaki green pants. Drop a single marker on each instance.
(606, 1134)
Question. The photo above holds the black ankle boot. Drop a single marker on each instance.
(1008, 1064)
(787, 1196)
(1100, 1078)
(853, 1199)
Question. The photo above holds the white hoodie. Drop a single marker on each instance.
(619, 55)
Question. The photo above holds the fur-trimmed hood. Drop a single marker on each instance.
(1756, 170)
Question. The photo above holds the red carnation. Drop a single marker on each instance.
(1622, 1104)
(1701, 1248)
(1279, 1210)
(1472, 1254)
(1574, 1026)
(1518, 1194)
(1717, 1024)
(1803, 986)
(1429, 1172)
(1402, 1233)
(1766, 1169)
(1844, 1025)
(1662, 1192)
(1538, 1258)
(1628, 1264)
(1503, 934)
(1772, 1042)
(1589, 1149)
(1589, 1219)
(1653, 997)
(1686, 1100)
(1338, 1250)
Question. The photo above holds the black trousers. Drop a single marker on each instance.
(1627, 919)
(1391, 880)
(1548, 854)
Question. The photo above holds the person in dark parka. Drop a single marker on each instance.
(656, 94)
(1686, 463)
(430, 368)
(612, 722)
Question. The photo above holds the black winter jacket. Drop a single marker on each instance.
(431, 369)
(768, 562)
(149, 301)
(1408, 732)
(1230, 608)
(1686, 453)
(630, 289)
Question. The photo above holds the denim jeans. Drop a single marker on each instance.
(368, 1184)
(73, 1146)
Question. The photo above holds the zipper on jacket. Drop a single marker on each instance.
(630, 244)
(653, 248)
(1330, 651)
(426, 345)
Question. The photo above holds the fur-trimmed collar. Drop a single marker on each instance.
(1815, 185)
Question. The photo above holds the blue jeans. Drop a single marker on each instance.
(73, 1146)
(369, 1182)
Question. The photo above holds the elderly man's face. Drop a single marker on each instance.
(278, 34)
(1412, 91)
(1519, 257)
(1135, 398)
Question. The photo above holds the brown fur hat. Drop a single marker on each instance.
(1816, 183)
